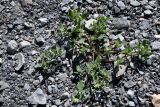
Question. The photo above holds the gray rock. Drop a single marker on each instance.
(65, 95)
(21, 61)
(52, 89)
(3, 85)
(58, 102)
(129, 84)
(62, 76)
(24, 44)
(65, 9)
(134, 3)
(1, 8)
(67, 104)
(26, 2)
(66, 1)
(38, 97)
(130, 93)
(121, 5)
(148, 12)
(120, 23)
(145, 24)
(155, 45)
(116, 10)
(0, 42)
(1, 61)
(40, 41)
(131, 104)
(27, 87)
(40, 78)
(12, 47)
(153, 3)
(1, 52)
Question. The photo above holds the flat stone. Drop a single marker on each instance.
(157, 36)
(89, 23)
(120, 23)
(66, 1)
(134, 3)
(148, 12)
(129, 84)
(24, 44)
(43, 20)
(3, 85)
(131, 104)
(121, 5)
(38, 97)
(133, 43)
(21, 61)
(121, 70)
(155, 45)
(130, 93)
(145, 24)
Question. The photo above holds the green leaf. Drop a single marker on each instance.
(80, 85)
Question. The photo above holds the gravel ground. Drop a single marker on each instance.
(28, 27)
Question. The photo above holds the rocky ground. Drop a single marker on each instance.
(28, 27)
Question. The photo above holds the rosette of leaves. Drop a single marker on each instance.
(94, 75)
(48, 59)
(81, 38)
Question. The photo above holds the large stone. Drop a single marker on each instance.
(24, 44)
(20, 61)
(121, 70)
(40, 41)
(157, 36)
(12, 47)
(66, 1)
(3, 85)
(148, 12)
(155, 45)
(133, 43)
(156, 100)
(38, 97)
(121, 5)
(120, 23)
(89, 23)
(134, 3)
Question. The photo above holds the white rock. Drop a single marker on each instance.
(133, 43)
(121, 70)
(21, 61)
(89, 1)
(120, 37)
(1, 61)
(157, 36)
(66, 1)
(24, 44)
(89, 23)
(43, 20)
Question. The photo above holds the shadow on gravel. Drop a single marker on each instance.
(30, 105)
